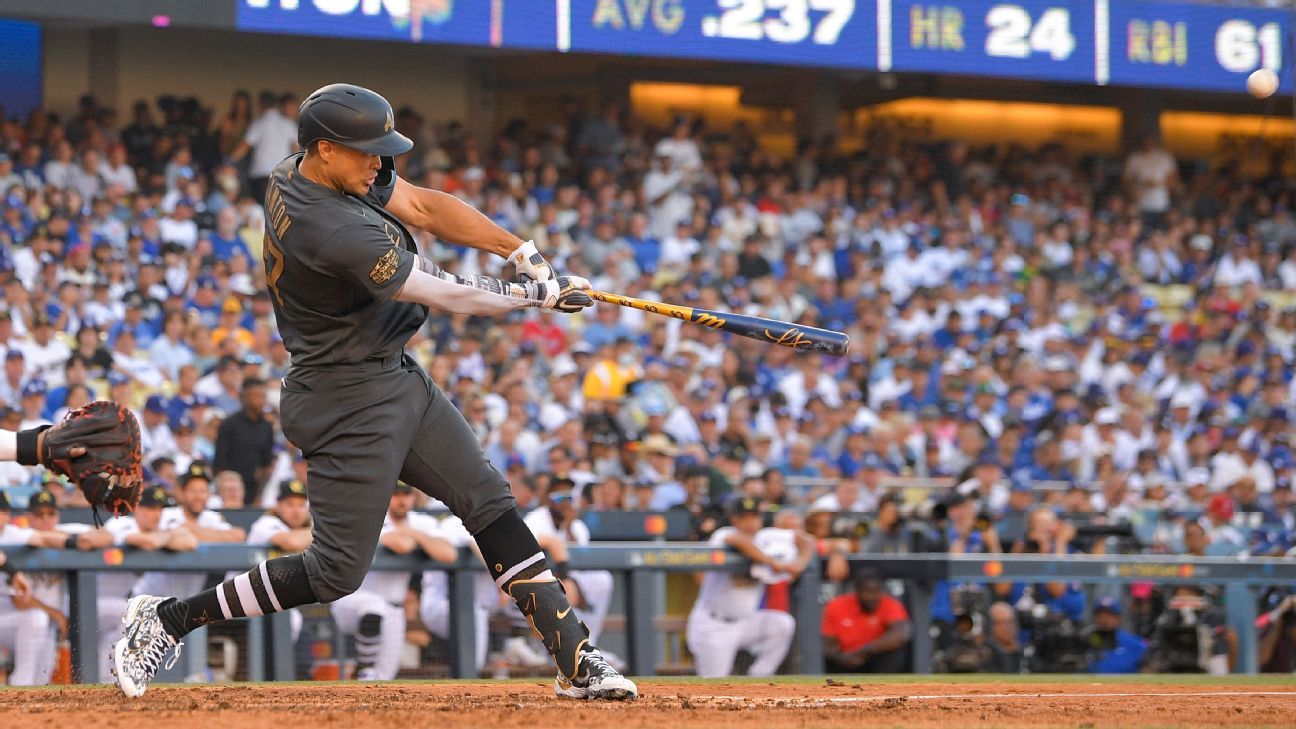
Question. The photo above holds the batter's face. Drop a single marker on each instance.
(349, 170)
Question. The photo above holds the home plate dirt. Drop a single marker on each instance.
(663, 705)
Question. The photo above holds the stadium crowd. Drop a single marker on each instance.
(1044, 344)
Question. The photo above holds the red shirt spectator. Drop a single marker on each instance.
(846, 620)
(867, 631)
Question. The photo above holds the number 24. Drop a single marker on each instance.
(745, 19)
(1011, 34)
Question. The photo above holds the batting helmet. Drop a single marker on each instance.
(352, 116)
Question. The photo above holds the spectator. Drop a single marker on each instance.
(866, 632)
(890, 534)
(270, 138)
(229, 491)
(245, 441)
(1152, 176)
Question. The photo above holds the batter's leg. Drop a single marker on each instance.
(447, 463)
(348, 428)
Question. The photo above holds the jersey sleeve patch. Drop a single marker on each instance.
(385, 267)
(369, 257)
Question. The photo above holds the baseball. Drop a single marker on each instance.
(1262, 83)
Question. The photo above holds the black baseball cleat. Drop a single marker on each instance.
(596, 679)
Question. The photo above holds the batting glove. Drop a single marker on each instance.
(530, 264)
(565, 294)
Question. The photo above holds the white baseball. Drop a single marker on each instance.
(1262, 83)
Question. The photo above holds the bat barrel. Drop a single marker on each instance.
(786, 334)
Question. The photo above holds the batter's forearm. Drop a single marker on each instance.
(451, 219)
(476, 295)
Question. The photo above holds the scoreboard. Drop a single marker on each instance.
(21, 84)
(1105, 42)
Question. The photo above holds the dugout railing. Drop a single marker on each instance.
(640, 567)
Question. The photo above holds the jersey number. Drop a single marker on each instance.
(274, 267)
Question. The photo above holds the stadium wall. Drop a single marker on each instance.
(120, 65)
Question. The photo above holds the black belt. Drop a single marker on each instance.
(372, 364)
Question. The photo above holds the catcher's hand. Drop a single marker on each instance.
(98, 448)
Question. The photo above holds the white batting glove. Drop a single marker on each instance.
(530, 264)
(565, 294)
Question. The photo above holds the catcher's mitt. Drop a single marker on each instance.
(98, 448)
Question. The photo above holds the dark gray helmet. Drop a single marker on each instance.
(352, 116)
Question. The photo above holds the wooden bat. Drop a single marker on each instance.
(786, 334)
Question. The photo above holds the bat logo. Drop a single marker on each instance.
(709, 320)
(791, 338)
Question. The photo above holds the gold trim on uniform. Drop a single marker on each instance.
(385, 268)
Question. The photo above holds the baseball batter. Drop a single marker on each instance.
(349, 289)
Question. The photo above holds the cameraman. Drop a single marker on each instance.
(952, 600)
(1046, 534)
(1277, 653)
(1116, 649)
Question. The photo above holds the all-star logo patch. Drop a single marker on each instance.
(385, 267)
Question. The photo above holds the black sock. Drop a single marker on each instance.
(272, 586)
(519, 567)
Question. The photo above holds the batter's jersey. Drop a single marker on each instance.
(393, 586)
(725, 596)
(333, 263)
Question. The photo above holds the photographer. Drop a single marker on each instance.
(1116, 649)
(954, 603)
(1046, 534)
(1277, 652)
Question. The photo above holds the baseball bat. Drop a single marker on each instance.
(786, 334)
